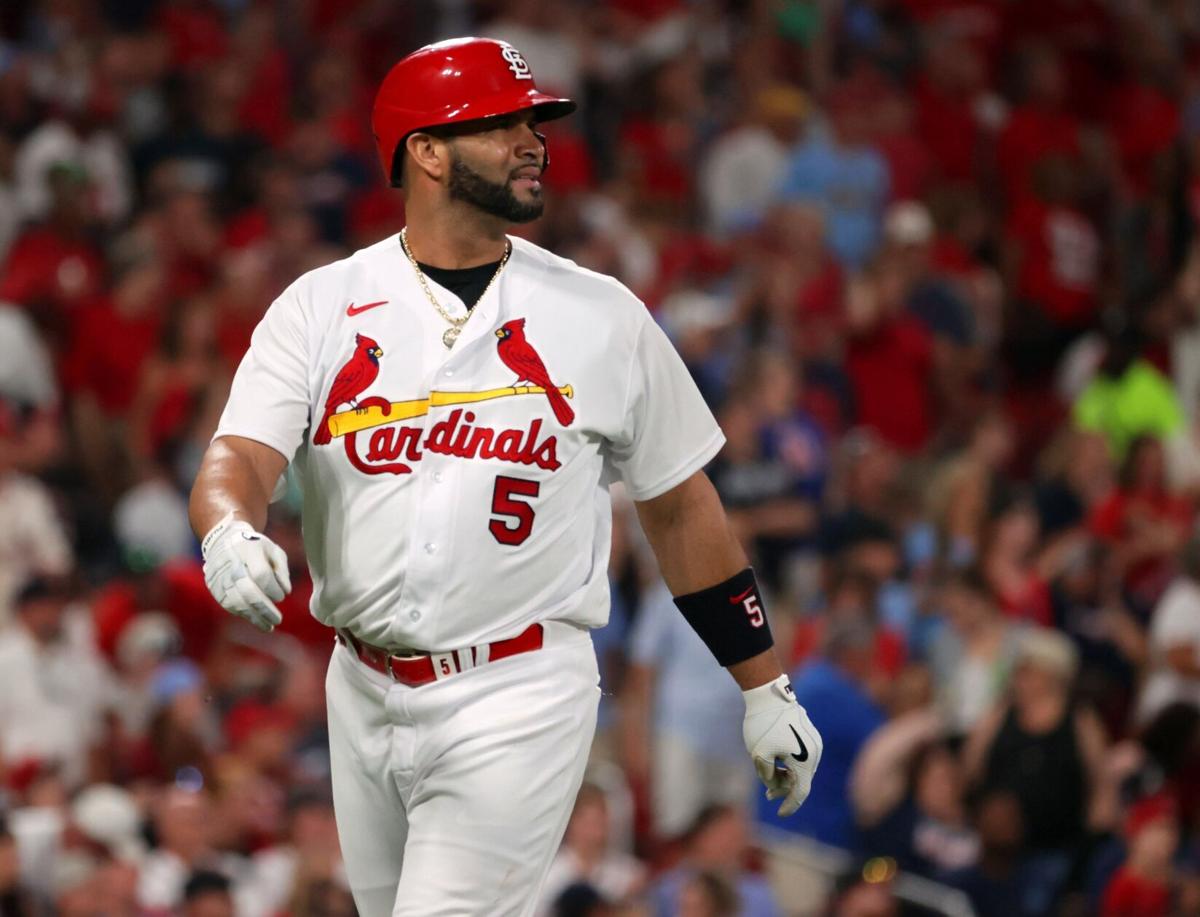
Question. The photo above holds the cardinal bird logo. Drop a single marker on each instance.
(351, 381)
(519, 356)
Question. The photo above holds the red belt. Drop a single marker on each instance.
(426, 667)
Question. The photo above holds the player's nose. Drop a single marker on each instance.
(528, 143)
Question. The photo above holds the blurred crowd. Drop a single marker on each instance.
(933, 263)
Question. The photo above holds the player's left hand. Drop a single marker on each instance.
(782, 741)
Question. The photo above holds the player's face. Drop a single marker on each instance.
(499, 170)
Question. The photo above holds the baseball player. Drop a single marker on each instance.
(456, 403)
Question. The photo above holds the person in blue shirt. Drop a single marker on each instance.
(847, 177)
(716, 845)
(832, 689)
(678, 732)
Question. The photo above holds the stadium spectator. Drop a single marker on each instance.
(1050, 755)
(715, 845)
(672, 706)
(969, 485)
(833, 687)
(909, 796)
(972, 657)
(587, 855)
(843, 173)
(54, 709)
(1143, 885)
(1174, 671)
(743, 168)
(185, 827)
(1000, 883)
(1143, 524)
(1129, 397)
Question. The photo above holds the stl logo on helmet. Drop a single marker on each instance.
(516, 63)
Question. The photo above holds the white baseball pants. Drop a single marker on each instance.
(452, 798)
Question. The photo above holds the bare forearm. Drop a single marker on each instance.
(236, 476)
(696, 549)
(691, 538)
(757, 670)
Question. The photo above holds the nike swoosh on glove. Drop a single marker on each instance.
(246, 572)
(782, 741)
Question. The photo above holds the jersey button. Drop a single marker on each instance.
(437, 476)
(430, 547)
(415, 615)
(448, 372)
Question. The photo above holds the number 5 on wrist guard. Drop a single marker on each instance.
(729, 618)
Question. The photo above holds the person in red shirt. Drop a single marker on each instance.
(1038, 127)
(113, 335)
(180, 393)
(945, 92)
(111, 339)
(1142, 886)
(1083, 32)
(1053, 249)
(889, 358)
(660, 147)
(909, 159)
(265, 107)
(1142, 117)
(1143, 522)
(55, 266)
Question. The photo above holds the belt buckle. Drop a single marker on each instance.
(380, 659)
(388, 659)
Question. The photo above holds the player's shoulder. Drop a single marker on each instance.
(581, 284)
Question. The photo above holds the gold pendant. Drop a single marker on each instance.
(449, 336)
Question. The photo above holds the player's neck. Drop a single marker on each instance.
(452, 237)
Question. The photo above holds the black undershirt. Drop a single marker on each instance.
(467, 283)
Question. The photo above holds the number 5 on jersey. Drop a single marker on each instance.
(504, 503)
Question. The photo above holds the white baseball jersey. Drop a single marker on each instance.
(450, 499)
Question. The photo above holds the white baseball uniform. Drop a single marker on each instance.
(450, 502)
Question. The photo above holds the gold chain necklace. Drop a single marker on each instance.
(456, 324)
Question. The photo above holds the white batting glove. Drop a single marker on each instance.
(246, 572)
(782, 741)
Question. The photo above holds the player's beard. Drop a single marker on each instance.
(496, 199)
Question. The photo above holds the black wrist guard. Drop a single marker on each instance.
(729, 618)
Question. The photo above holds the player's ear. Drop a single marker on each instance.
(427, 154)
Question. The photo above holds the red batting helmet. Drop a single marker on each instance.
(449, 82)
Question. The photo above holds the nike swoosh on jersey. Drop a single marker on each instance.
(355, 310)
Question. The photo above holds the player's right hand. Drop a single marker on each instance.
(246, 572)
(782, 741)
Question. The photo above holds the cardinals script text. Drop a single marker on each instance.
(455, 435)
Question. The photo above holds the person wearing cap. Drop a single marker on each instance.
(909, 236)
